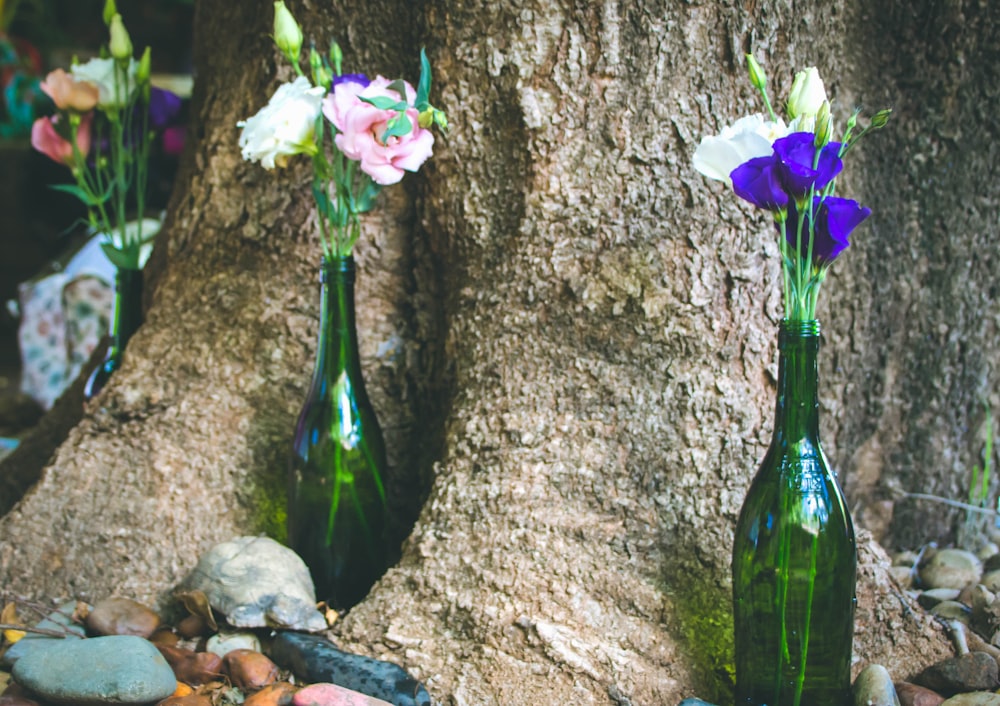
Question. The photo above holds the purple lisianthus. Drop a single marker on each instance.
(759, 181)
(796, 154)
(352, 78)
(835, 218)
(164, 106)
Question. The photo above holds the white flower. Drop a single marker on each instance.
(718, 155)
(807, 94)
(113, 91)
(285, 126)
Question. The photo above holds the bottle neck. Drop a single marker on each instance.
(796, 417)
(338, 338)
(128, 307)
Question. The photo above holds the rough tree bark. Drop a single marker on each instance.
(568, 332)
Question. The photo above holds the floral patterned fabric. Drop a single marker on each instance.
(64, 316)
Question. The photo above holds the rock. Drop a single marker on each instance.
(991, 579)
(15, 695)
(225, 642)
(913, 695)
(189, 700)
(950, 568)
(165, 637)
(694, 702)
(976, 698)
(277, 694)
(975, 671)
(256, 583)
(315, 659)
(118, 669)
(192, 626)
(333, 695)
(60, 620)
(931, 597)
(987, 550)
(903, 575)
(122, 616)
(952, 610)
(907, 559)
(249, 670)
(190, 667)
(873, 687)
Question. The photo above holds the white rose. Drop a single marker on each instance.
(718, 155)
(101, 73)
(285, 126)
(807, 94)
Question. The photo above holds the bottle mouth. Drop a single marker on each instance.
(336, 266)
(804, 328)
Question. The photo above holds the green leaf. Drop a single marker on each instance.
(119, 258)
(399, 86)
(366, 199)
(88, 198)
(385, 103)
(424, 84)
(397, 127)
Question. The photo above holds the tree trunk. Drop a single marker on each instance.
(569, 335)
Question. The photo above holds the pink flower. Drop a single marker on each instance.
(49, 142)
(68, 93)
(361, 127)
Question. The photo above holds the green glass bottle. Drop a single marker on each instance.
(337, 514)
(794, 554)
(125, 321)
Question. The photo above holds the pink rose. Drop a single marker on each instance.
(46, 140)
(361, 126)
(68, 93)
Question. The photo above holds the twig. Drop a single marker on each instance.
(39, 631)
(952, 503)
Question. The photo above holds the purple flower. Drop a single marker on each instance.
(835, 218)
(164, 106)
(797, 155)
(353, 78)
(759, 181)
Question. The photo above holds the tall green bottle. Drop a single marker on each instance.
(794, 555)
(336, 500)
(125, 321)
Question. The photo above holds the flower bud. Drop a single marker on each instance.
(336, 57)
(880, 119)
(807, 94)
(320, 72)
(109, 11)
(757, 76)
(142, 73)
(121, 43)
(824, 125)
(287, 33)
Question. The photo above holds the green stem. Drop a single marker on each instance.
(800, 679)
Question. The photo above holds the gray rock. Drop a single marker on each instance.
(952, 610)
(222, 643)
(59, 620)
(258, 583)
(931, 597)
(873, 687)
(975, 671)
(950, 568)
(315, 659)
(991, 579)
(694, 702)
(119, 669)
(974, 698)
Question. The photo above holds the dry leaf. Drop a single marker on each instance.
(8, 616)
(196, 603)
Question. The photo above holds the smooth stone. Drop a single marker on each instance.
(189, 700)
(333, 695)
(118, 669)
(257, 582)
(907, 559)
(277, 694)
(903, 575)
(223, 643)
(190, 667)
(192, 626)
(694, 702)
(873, 687)
(122, 616)
(987, 550)
(975, 698)
(249, 670)
(952, 610)
(975, 671)
(60, 619)
(913, 695)
(950, 568)
(991, 579)
(15, 695)
(315, 659)
(932, 596)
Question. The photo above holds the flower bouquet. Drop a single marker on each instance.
(107, 115)
(794, 554)
(361, 134)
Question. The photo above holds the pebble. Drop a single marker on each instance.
(694, 702)
(950, 568)
(931, 597)
(60, 619)
(315, 659)
(118, 669)
(873, 687)
(122, 616)
(225, 642)
(913, 695)
(189, 700)
(952, 610)
(975, 671)
(277, 694)
(15, 695)
(333, 695)
(991, 579)
(987, 550)
(249, 670)
(194, 668)
(979, 698)
(192, 626)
